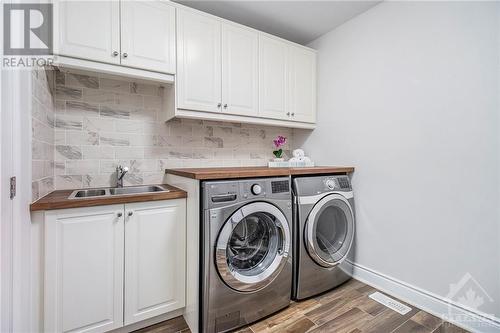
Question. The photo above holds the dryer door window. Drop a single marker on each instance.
(329, 230)
(253, 246)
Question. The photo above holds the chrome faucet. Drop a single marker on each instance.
(120, 173)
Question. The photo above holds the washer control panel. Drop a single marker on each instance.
(221, 193)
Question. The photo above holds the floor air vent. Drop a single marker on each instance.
(390, 303)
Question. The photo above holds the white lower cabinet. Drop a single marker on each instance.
(84, 269)
(155, 239)
(105, 268)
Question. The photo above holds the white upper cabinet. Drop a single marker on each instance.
(84, 269)
(155, 258)
(301, 84)
(198, 80)
(88, 30)
(148, 35)
(240, 70)
(138, 34)
(273, 78)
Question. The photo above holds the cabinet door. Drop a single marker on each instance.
(88, 30)
(272, 77)
(84, 269)
(148, 35)
(302, 84)
(198, 62)
(155, 254)
(240, 70)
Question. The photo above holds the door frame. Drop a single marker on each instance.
(18, 312)
(6, 204)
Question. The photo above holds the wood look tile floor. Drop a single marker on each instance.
(345, 309)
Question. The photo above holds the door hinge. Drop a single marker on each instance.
(12, 187)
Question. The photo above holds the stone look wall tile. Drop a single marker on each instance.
(98, 121)
(43, 135)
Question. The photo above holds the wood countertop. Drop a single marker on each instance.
(59, 199)
(249, 172)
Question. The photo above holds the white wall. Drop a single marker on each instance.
(408, 94)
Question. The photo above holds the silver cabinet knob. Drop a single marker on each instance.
(125, 54)
(130, 213)
(119, 214)
(293, 114)
(225, 106)
(115, 53)
(288, 113)
(219, 105)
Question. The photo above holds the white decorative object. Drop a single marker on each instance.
(298, 153)
(299, 160)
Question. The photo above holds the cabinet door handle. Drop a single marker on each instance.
(119, 214)
(225, 106)
(115, 53)
(288, 113)
(130, 213)
(219, 105)
(293, 114)
(125, 54)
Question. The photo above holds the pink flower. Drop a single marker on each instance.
(279, 141)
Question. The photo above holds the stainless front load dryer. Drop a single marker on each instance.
(324, 233)
(246, 271)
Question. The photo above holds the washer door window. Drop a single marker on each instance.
(253, 246)
(329, 230)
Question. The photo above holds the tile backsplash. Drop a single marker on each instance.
(103, 121)
(42, 136)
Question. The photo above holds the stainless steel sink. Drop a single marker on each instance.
(116, 191)
(136, 190)
(87, 193)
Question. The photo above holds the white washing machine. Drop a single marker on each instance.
(324, 227)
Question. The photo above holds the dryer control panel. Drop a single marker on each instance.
(306, 186)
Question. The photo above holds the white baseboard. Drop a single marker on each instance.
(429, 302)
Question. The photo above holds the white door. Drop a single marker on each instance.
(155, 255)
(148, 35)
(88, 30)
(302, 84)
(84, 269)
(240, 70)
(198, 62)
(273, 77)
